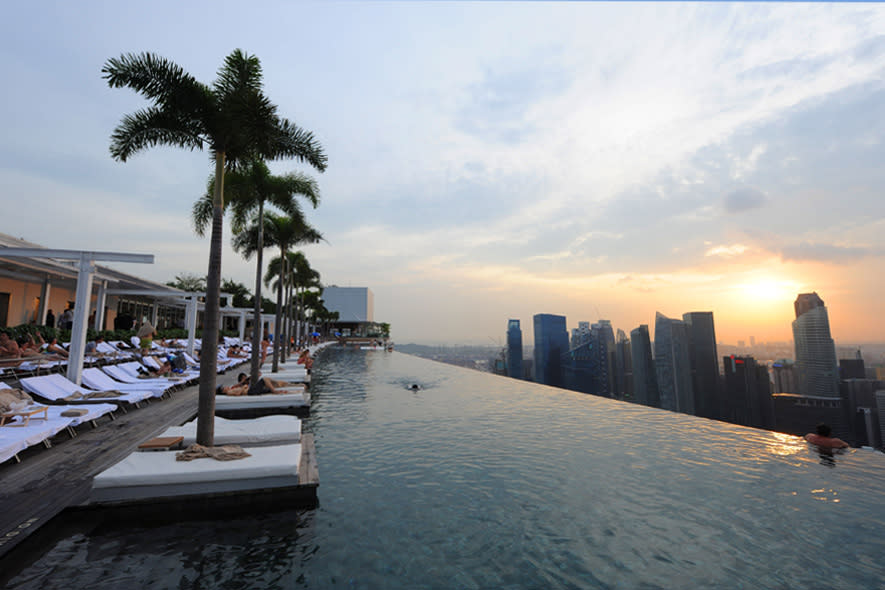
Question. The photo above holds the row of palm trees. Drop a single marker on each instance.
(249, 191)
(238, 124)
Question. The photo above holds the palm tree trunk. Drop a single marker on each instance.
(258, 327)
(288, 313)
(297, 317)
(284, 342)
(278, 318)
(209, 348)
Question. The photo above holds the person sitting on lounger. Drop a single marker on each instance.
(27, 346)
(92, 346)
(51, 347)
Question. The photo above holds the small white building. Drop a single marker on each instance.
(353, 304)
(356, 311)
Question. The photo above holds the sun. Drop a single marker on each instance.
(769, 289)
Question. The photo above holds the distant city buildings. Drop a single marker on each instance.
(680, 371)
(514, 350)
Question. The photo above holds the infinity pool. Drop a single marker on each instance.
(478, 481)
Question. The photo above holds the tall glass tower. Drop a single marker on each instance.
(673, 365)
(514, 350)
(815, 349)
(704, 362)
(645, 378)
(551, 342)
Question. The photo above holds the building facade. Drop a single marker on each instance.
(673, 365)
(514, 350)
(645, 379)
(704, 363)
(551, 342)
(815, 349)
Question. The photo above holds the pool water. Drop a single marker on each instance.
(479, 481)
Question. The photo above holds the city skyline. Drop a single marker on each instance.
(490, 160)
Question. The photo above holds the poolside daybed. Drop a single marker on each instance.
(153, 476)
(266, 430)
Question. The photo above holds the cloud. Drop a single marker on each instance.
(833, 253)
(726, 251)
(744, 199)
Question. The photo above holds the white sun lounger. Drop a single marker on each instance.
(264, 431)
(95, 378)
(156, 475)
(123, 372)
(93, 412)
(14, 439)
(280, 401)
(57, 388)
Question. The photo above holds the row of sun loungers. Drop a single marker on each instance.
(21, 431)
(103, 391)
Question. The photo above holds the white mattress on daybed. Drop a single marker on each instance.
(270, 400)
(153, 475)
(267, 430)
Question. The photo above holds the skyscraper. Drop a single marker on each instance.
(673, 364)
(815, 350)
(747, 393)
(551, 341)
(645, 379)
(704, 362)
(514, 349)
(623, 368)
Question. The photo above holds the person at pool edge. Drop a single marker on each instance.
(822, 438)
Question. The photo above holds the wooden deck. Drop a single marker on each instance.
(47, 481)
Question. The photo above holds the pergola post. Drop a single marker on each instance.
(101, 302)
(44, 302)
(190, 318)
(85, 274)
(241, 325)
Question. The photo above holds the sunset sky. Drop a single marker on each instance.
(495, 160)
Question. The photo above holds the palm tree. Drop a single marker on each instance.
(249, 189)
(284, 232)
(303, 278)
(236, 122)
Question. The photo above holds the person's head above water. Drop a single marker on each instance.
(823, 430)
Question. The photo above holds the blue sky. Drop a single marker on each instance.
(491, 160)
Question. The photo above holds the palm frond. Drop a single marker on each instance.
(295, 142)
(202, 212)
(154, 77)
(239, 71)
(150, 127)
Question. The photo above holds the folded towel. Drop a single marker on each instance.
(74, 413)
(222, 453)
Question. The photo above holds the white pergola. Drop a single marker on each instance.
(85, 275)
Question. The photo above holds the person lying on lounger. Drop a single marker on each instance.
(242, 387)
